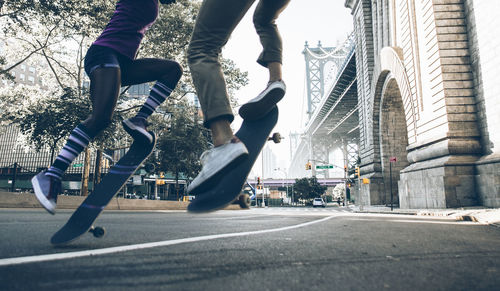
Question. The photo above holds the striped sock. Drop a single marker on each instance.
(158, 94)
(77, 142)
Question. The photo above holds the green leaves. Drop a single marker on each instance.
(48, 121)
(54, 35)
(308, 188)
(183, 141)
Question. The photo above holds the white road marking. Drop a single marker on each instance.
(437, 222)
(419, 219)
(111, 250)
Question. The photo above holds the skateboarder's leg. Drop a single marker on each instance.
(264, 19)
(104, 89)
(166, 73)
(214, 25)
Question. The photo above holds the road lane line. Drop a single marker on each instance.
(459, 222)
(111, 250)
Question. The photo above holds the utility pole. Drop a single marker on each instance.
(14, 176)
(262, 156)
(286, 180)
(311, 158)
(346, 167)
(84, 191)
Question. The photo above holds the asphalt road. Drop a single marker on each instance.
(259, 249)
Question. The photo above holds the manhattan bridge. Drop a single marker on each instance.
(332, 113)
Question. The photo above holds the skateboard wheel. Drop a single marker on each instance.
(98, 231)
(244, 201)
(276, 137)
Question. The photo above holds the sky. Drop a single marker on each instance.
(327, 21)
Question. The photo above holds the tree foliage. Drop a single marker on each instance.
(55, 35)
(308, 188)
(183, 141)
(339, 191)
(47, 122)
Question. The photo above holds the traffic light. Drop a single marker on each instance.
(258, 180)
(356, 172)
(308, 166)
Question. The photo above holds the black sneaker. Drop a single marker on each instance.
(46, 190)
(136, 127)
(259, 106)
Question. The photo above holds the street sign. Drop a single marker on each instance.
(393, 159)
(77, 165)
(324, 167)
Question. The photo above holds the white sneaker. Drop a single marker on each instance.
(259, 106)
(217, 161)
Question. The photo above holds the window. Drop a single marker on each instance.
(32, 70)
(23, 67)
(22, 77)
(31, 79)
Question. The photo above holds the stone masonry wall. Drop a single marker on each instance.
(484, 42)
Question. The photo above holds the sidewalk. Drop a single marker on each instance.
(477, 214)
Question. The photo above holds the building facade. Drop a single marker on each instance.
(428, 89)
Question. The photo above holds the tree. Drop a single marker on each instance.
(308, 188)
(55, 35)
(169, 38)
(48, 121)
(181, 145)
(68, 27)
(339, 191)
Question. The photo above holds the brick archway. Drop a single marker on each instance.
(390, 122)
(393, 138)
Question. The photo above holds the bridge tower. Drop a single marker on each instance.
(322, 65)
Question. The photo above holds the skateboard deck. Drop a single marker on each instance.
(254, 135)
(83, 218)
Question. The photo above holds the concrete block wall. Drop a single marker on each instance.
(365, 59)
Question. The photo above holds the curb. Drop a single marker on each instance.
(490, 216)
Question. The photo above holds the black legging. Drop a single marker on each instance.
(105, 86)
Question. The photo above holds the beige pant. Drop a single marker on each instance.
(214, 25)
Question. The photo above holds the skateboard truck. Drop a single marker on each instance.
(244, 199)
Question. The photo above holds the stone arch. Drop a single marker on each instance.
(391, 121)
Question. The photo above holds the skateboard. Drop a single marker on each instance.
(83, 219)
(254, 135)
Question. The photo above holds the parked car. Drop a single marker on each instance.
(319, 202)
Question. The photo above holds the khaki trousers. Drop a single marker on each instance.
(216, 21)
